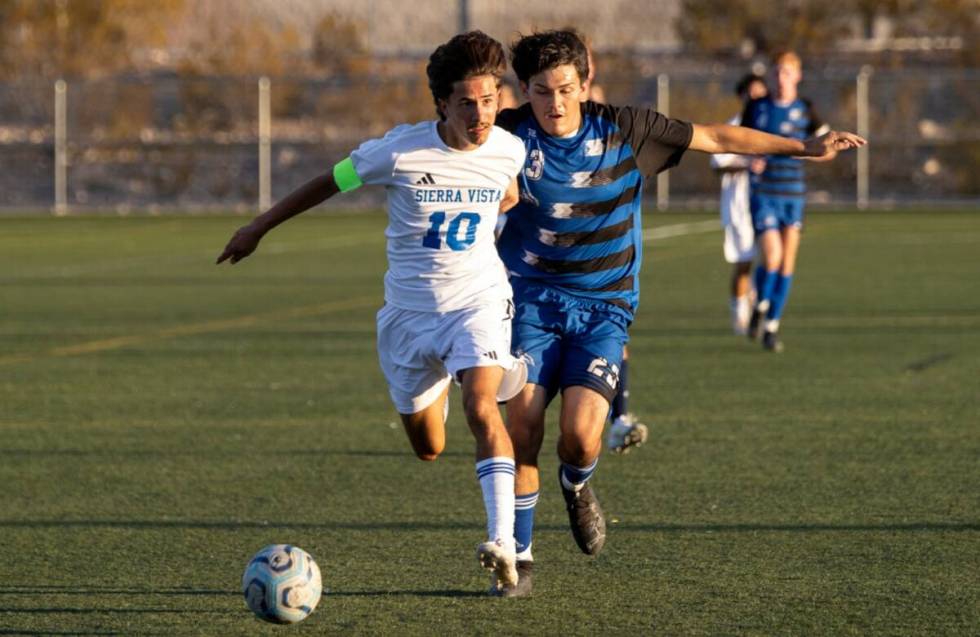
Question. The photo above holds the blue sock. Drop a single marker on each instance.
(574, 477)
(765, 291)
(524, 523)
(779, 296)
(620, 403)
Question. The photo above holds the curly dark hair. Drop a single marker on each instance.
(466, 55)
(545, 50)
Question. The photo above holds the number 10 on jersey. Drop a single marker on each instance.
(456, 237)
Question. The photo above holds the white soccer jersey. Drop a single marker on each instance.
(736, 214)
(442, 208)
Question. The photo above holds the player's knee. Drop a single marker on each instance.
(480, 410)
(427, 452)
(578, 447)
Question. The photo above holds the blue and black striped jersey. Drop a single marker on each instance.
(577, 226)
(783, 176)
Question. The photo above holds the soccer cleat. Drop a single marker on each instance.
(771, 342)
(754, 322)
(496, 557)
(625, 433)
(525, 573)
(585, 517)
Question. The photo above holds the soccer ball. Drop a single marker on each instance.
(282, 584)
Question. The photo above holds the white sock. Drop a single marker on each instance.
(496, 477)
(741, 305)
(772, 325)
(763, 306)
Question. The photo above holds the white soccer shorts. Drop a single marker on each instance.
(739, 235)
(421, 352)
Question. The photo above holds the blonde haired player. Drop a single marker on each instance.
(779, 194)
(447, 313)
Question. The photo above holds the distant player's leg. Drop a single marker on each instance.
(739, 249)
(740, 305)
(790, 245)
(625, 432)
(765, 221)
(772, 256)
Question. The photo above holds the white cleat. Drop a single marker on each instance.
(626, 433)
(502, 561)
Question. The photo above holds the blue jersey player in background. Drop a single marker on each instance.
(778, 195)
(573, 249)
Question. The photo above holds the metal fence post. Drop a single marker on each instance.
(60, 148)
(863, 126)
(663, 105)
(265, 139)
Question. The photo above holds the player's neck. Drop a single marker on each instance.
(784, 97)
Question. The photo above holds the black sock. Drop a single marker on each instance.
(620, 403)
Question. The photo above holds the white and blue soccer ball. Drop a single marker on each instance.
(282, 584)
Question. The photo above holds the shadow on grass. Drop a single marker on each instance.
(418, 525)
(54, 590)
(212, 453)
(442, 593)
(88, 590)
(96, 611)
(12, 631)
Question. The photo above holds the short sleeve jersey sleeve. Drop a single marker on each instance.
(658, 142)
(374, 160)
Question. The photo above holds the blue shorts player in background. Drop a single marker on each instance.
(447, 312)
(778, 195)
(573, 249)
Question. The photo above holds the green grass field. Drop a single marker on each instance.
(161, 419)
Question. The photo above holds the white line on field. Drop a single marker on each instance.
(681, 229)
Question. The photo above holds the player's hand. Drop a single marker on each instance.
(829, 144)
(242, 244)
(757, 166)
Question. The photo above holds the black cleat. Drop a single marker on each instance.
(585, 517)
(771, 342)
(754, 322)
(525, 576)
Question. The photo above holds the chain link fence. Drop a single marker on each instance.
(190, 143)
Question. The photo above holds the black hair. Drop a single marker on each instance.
(466, 55)
(546, 50)
(742, 87)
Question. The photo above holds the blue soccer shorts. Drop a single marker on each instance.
(568, 341)
(776, 213)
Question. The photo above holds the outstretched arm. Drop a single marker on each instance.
(247, 238)
(722, 138)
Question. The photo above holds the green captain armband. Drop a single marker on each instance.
(346, 177)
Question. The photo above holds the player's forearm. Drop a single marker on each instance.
(310, 194)
(722, 138)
